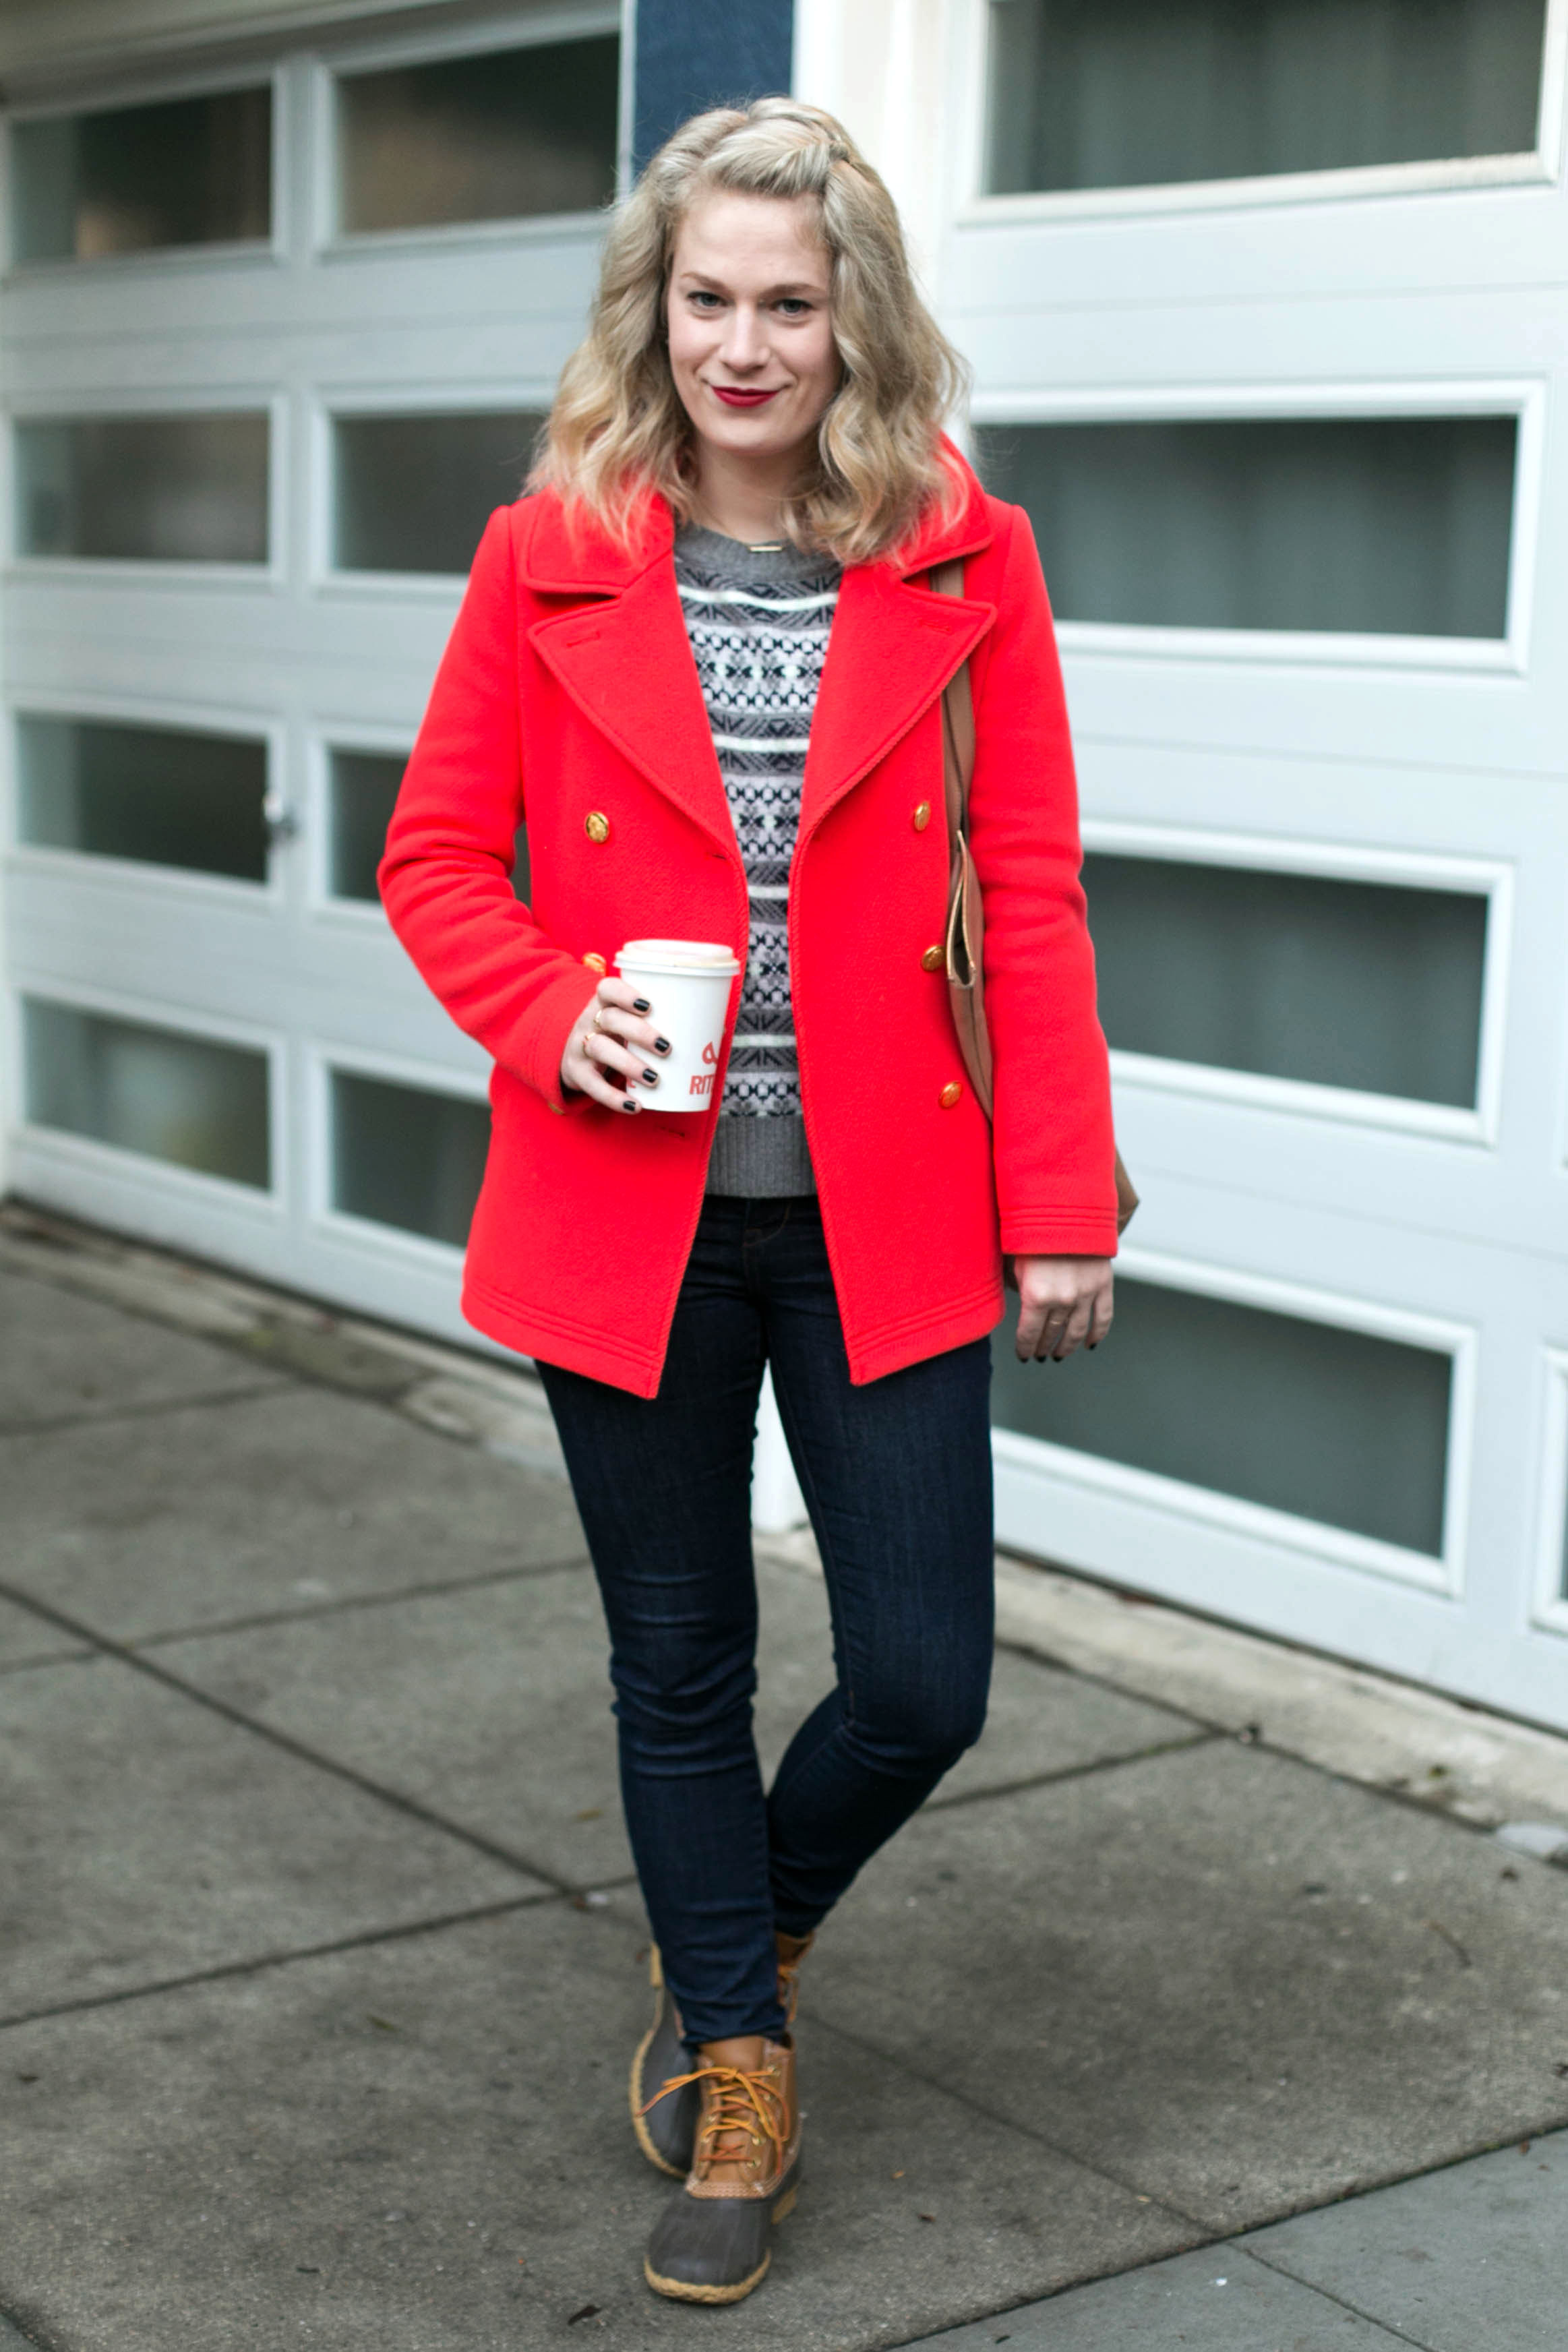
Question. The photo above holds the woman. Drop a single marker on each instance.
(726, 559)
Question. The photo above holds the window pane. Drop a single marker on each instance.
(1132, 93)
(1386, 524)
(415, 493)
(515, 132)
(190, 171)
(155, 1091)
(157, 794)
(1291, 976)
(406, 1157)
(161, 490)
(1330, 1424)
(363, 792)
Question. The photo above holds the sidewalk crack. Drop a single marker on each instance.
(1208, 2235)
(1072, 1772)
(27, 2329)
(256, 1963)
(288, 1746)
(202, 1400)
(1341, 2302)
(305, 1611)
(259, 1961)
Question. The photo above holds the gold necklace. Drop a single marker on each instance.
(753, 547)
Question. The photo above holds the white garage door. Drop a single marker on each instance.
(275, 341)
(1268, 311)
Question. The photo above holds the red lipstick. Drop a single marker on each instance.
(732, 397)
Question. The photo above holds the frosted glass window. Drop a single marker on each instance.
(160, 795)
(1131, 93)
(415, 493)
(163, 489)
(1291, 975)
(407, 1157)
(133, 179)
(364, 794)
(495, 137)
(1384, 524)
(159, 1092)
(363, 790)
(1330, 1424)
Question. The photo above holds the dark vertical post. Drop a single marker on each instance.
(692, 54)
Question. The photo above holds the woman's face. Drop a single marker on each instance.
(751, 331)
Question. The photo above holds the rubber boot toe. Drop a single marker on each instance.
(715, 2249)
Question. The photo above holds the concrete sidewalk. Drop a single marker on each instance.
(321, 1957)
(1473, 2259)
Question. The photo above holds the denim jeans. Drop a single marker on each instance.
(897, 1477)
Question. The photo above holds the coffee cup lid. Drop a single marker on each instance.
(679, 955)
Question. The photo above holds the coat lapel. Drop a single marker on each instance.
(626, 664)
(893, 647)
(625, 660)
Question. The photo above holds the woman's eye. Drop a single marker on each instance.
(792, 307)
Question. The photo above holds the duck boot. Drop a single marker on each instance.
(665, 2122)
(711, 2243)
(664, 2116)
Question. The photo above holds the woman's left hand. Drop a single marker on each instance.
(1065, 1302)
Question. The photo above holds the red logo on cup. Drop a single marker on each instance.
(710, 1053)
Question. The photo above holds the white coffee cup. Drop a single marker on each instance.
(688, 984)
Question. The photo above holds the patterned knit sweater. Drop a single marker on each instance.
(759, 623)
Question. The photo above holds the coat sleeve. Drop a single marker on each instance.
(1055, 1152)
(445, 877)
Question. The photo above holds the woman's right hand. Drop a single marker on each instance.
(613, 1033)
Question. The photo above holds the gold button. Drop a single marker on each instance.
(933, 959)
(596, 825)
(923, 816)
(950, 1094)
(596, 963)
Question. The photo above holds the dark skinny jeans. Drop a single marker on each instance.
(897, 1477)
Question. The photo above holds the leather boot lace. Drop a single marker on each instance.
(738, 2103)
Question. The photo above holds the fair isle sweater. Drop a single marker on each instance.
(759, 622)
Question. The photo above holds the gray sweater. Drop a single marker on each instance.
(759, 623)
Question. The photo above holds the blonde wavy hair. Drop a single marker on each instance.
(617, 428)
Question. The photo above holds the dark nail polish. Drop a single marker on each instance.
(641, 1004)
(1092, 1346)
(651, 1077)
(661, 1044)
(630, 1103)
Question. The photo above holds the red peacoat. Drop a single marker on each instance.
(568, 697)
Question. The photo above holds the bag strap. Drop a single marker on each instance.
(958, 771)
(957, 720)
